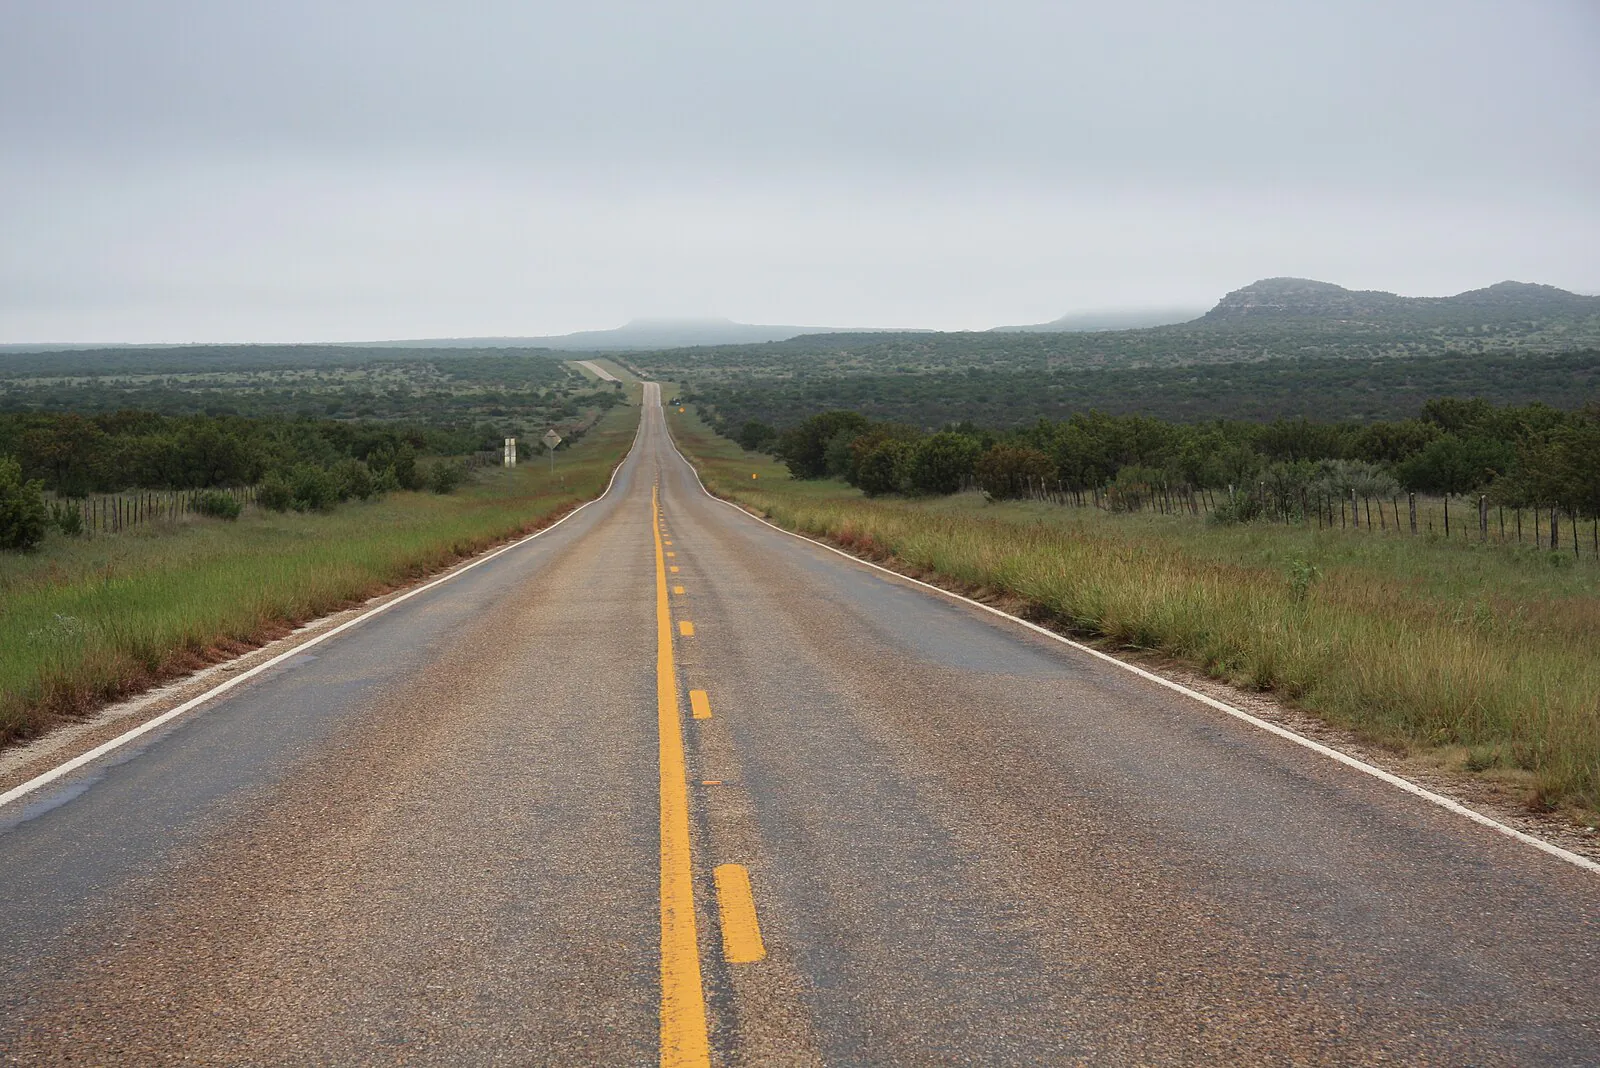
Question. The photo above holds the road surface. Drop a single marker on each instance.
(666, 785)
(598, 371)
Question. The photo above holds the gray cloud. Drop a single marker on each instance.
(296, 170)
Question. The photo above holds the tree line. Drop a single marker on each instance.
(1529, 455)
(299, 464)
(1256, 390)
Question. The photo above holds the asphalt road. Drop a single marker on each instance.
(492, 825)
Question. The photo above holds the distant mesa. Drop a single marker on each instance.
(1113, 319)
(1303, 298)
(641, 334)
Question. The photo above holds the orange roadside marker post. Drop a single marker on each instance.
(754, 475)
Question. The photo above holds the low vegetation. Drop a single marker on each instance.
(1486, 658)
(1532, 456)
(83, 621)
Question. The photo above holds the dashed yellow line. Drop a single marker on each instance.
(684, 1039)
(700, 704)
(677, 589)
(686, 628)
(741, 934)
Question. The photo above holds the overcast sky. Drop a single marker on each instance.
(323, 170)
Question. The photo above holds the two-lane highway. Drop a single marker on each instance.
(667, 784)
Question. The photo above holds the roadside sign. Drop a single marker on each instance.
(551, 439)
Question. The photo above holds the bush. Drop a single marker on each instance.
(941, 463)
(314, 488)
(67, 517)
(275, 493)
(755, 436)
(218, 505)
(395, 467)
(355, 480)
(883, 467)
(804, 447)
(1242, 507)
(1007, 471)
(23, 516)
(446, 476)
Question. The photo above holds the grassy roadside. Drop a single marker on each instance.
(1487, 660)
(85, 622)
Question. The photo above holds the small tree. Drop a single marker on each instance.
(23, 515)
(218, 504)
(755, 436)
(941, 463)
(882, 469)
(1007, 471)
(804, 447)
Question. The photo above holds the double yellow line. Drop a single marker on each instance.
(684, 1040)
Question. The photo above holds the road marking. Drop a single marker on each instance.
(67, 768)
(684, 1039)
(686, 628)
(1446, 803)
(677, 589)
(710, 782)
(672, 554)
(741, 934)
(700, 703)
(673, 569)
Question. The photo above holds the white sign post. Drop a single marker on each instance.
(551, 440)
(511, 452)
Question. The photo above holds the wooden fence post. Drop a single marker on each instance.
(1483, 517)
(1555, 530)
(1411, 500)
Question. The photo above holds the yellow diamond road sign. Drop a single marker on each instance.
(551, 439)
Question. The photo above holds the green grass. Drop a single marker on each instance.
(86, 621)
(1485, 657)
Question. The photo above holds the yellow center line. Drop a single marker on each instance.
(677, 589)
(686, 628)
(700, 704)
(674, 569)
(684, 1040)
(741, 934)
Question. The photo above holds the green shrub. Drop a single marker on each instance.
(1242, 507)
(23, 516)
(314, 488)
(941, 463)
(882, 468)
(355, 480)
(218, 505)
(67, 517)
(446, 475)
(1008, 471)
(275, 493)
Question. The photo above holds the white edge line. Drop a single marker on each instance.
(1255, 721)
(18, 792)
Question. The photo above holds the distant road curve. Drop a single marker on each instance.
(594, 368)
